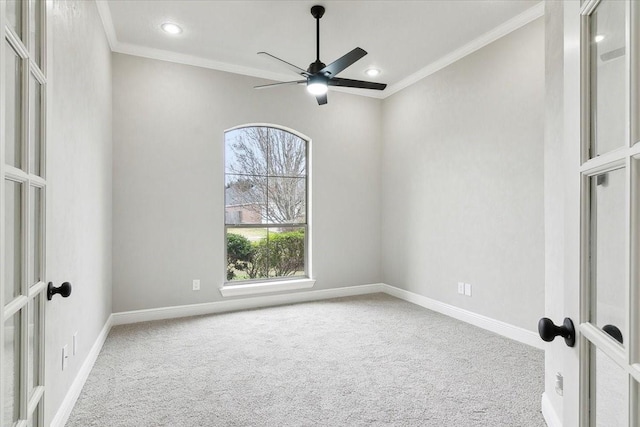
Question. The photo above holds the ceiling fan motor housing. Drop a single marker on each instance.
(315, 66)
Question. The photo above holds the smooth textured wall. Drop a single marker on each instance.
(79, 149)
(169, 123)
(463, 175)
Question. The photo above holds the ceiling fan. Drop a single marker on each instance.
(319, 76)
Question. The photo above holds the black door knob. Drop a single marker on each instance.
(64, 290)
(548, 331)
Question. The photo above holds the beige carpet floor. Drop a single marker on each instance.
(360, 361)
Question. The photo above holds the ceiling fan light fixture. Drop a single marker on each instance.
(317, 88)
(317, 85)
(171, 28)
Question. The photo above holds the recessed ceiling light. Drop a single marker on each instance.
(171, 28)
(372, 72)
(598, 38)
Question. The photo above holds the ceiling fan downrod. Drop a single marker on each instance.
(317, 11)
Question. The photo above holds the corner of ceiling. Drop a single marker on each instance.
(107, 23)
(502, 30)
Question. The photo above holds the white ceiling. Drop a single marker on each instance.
(405, 39)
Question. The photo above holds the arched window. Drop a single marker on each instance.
(266, 203)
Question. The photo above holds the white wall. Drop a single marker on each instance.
(79, 213)
(462, 192)
(169, 123)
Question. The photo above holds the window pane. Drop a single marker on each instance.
(245, 199)
(35, 109)
(246, 151)
(609, 386)
(35, 11)
(14, 15)
(36, 235)
(608, 83)
(608, 251)
(287, 154)
(286, 200)
(247, 256)
(13, 110)
(286, 252)
(11, 369)
(12, 240)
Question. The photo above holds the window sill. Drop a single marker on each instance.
(265, 287)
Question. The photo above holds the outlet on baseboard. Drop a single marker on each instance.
(196, 284)
(461, 288)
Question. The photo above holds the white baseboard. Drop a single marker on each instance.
(501, 328)
(136, 316)
(549, 413)
(69, 401)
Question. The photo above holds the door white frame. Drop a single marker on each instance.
(577, 289)
(29, 400)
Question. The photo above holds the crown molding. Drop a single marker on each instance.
(502, 30)
(107, 22)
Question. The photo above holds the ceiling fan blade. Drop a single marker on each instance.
(292, 67)
(297, 82)
(356, 83)
(340, 64)
(322, 99)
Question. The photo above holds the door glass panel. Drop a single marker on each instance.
(35, 11)
(11, 369)
(13, 110)
(608, 252)
(14, 15)
(608, 77)
(609, 387)
(12, 240)
(32, 344)
(36, 235)
(35, 115)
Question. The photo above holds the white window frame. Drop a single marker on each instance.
(276, 284)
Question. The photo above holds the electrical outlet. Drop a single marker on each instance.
(74, 348)
(559, 384)
(196, 284)
(467, 289)
(65, 356)
(461, 288)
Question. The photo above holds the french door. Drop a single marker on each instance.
(608, 390)
(22, 211)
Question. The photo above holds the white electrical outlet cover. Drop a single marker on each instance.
(75, 344)
(461, 288)
(65, 356)
(467, 289)
(196, 284)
